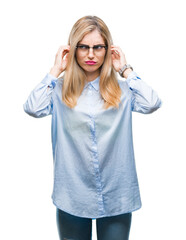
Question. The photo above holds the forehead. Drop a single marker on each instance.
(92, 38)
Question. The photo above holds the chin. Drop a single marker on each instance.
(91, 68)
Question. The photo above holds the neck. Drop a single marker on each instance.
(92, 76)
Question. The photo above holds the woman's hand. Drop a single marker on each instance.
(118, 58)
(61, 60)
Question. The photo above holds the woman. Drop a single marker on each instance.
(94, 165)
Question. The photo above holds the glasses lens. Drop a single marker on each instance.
(97, 49)
(83, 48)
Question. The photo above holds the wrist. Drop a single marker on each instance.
(124, 71)
(127, 72)
(55, 71)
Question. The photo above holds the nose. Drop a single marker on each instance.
(91, 53)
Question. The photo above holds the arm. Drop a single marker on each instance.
(39, 102)
(144, 98)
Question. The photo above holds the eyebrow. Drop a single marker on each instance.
(93, 45)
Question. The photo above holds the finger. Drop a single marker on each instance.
(115, 50)
(62, 48)
(65, 52)
(114, 46)
(66, 49)
(113, 57)
(66, 56)
(116, 54)
(62, 51)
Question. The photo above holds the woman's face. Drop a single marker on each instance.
(91, 59)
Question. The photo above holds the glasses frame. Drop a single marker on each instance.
(88, 47)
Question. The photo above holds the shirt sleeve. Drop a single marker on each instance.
(144, 98)
(39, 103)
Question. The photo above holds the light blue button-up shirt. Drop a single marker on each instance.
(94, 165)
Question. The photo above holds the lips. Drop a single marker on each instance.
(90, 62)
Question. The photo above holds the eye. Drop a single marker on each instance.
(83, 47)
(98, 47)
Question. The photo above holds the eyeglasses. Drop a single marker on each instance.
(96, 48)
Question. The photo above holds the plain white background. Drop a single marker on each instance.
(152, 36)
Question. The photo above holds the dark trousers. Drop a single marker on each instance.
(71, 227)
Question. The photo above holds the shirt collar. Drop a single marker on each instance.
(94, 83)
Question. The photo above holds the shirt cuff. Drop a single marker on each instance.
(50, 80)
(132, 76)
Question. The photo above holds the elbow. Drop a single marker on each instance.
(153, 106)
(36, 111)
(30, 111)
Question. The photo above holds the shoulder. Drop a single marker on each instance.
(57, 91)
(60, 80)
(123, 85)
(59, 83)
(125, 89)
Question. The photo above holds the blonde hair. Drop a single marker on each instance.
(75, 78)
